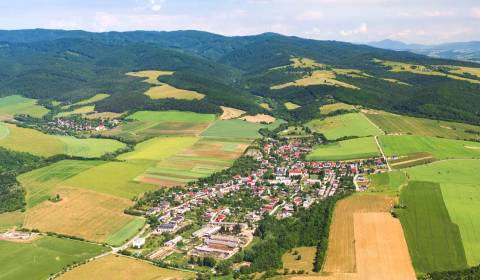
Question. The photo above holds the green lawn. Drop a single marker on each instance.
(387, 182)
(40, 184)
(16, 105)
(171, 116)
(461, 192)
(43, 257)
(126, 233)
(353, 124)
(438, 147)
(434, 241)
(358, 148)
(395, 124)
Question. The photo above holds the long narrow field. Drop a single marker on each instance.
(398, 124)
(42, 257)
(18, 105)
(159, 148)
(353, 124)
(330, 108)
(83, 213)
(123, 268)
(93, 99)
(434, 241)
(358, 148)
(437, 147)
(236, 129)
(22, 139)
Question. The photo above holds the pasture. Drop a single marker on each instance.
(123, 268)
(18, 105)
(91, 215)
(93, 99)
(462, 70)
(165, 91)
(84, 110)
(317, 77)
(434, 241)
(358, 148)
(307, 255)
(235, 129)
(259, 118)
(11, 219)
(330, 108)
(387, 182)
(352, 124)
(42, 257)
(437, 147)
(150, 75)
(231, 113)
(291, 106)
(398, 124)
(159, 148)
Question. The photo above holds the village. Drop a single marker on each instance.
(217, 221)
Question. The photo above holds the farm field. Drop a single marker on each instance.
(113, 178)
(437, 147)
(307, 255)
(83, 213)
(17, 105)
(150, 75)
(21, 139)
(317, 77)
(259, 118)
(387, 183)
(291, 106)
(230, 113)
(159, 148)
(167, 91)
(435, 242)
(236, 129)
(353, 124)
(123, 268)
(125, 233)
(79, 111)
(145, 124)
(11, 219)
(330, 108)
(93, 99)
(398, 124)
(379, 240)
(357, 148)
(341, 257)
(42, 257)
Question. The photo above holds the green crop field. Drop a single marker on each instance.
(172, 116)
(96, 98)
(40, 184)
(438, 147)
(42, 257)
(79, 111)
(237, 129)
(387, 183)
(459, 184)
(395, 124)
(358, 148)
(37, 143)
(434, 241)
(159, 148)
(114, 178)
(353, 124)
(126, 233)
(17, 105)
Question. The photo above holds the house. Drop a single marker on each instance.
(295, 173)
(138, 242)
(173, 242)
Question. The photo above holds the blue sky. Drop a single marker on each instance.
(420, 21)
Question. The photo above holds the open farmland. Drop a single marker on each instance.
(150, 75)
(358, 148)
(42, 257)
(353, 124)
(398, 124)
(93, 99)
(18, 105)
(236, 129)
(317, 77)
(83, 213)
(159, 148)
(145, 124)
(11, 219)
(434, 241)
(78, 111)
(387, 182)
(437, 147)
(123, 268)
(231, 113)
(330, 108)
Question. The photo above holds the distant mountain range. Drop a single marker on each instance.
(467, 51)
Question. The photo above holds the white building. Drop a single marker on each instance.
(138, 242)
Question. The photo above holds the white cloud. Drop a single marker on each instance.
(476, 12)
(436, 13)
(363, 28)
(310, 16)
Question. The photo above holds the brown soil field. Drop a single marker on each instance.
(230, 113)
(83, 213)
(341, 245)
(381, 249)
(122, 268)
(259, 118)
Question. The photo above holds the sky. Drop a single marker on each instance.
(412, 21)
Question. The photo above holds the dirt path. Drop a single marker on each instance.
(383, 154)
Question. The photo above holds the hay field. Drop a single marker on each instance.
(83, 213)
(434, 241)
(307, 255)
(165, 91)
(123, 268)
(358, 148)
(104, 115)
(113, 178)
(461, 70)
(42, 257)
(380, 248)
(17, 105)
(234, 129)
(317, 77)
(150, 75)
(231, 113)
(437, 147)
(330, 108)
(259, 118)
(126, 233)
(341, 256)
(352, 124)
(291, 106)
(84, 110)
(398, 124)
(388, 183)
(159, 148)
(11, 219)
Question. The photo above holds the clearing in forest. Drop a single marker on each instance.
(345, 125)
(123, 268)
(93, 99)
(291, 106)
(330, 108)
(231, 113)
(259, 118)
(358, 148)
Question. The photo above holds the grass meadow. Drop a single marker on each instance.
(17, 105)
(387, 182)
(330, 108)
(358, 148)
(353, 124)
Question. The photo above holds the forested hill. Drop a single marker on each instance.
(240, 72)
